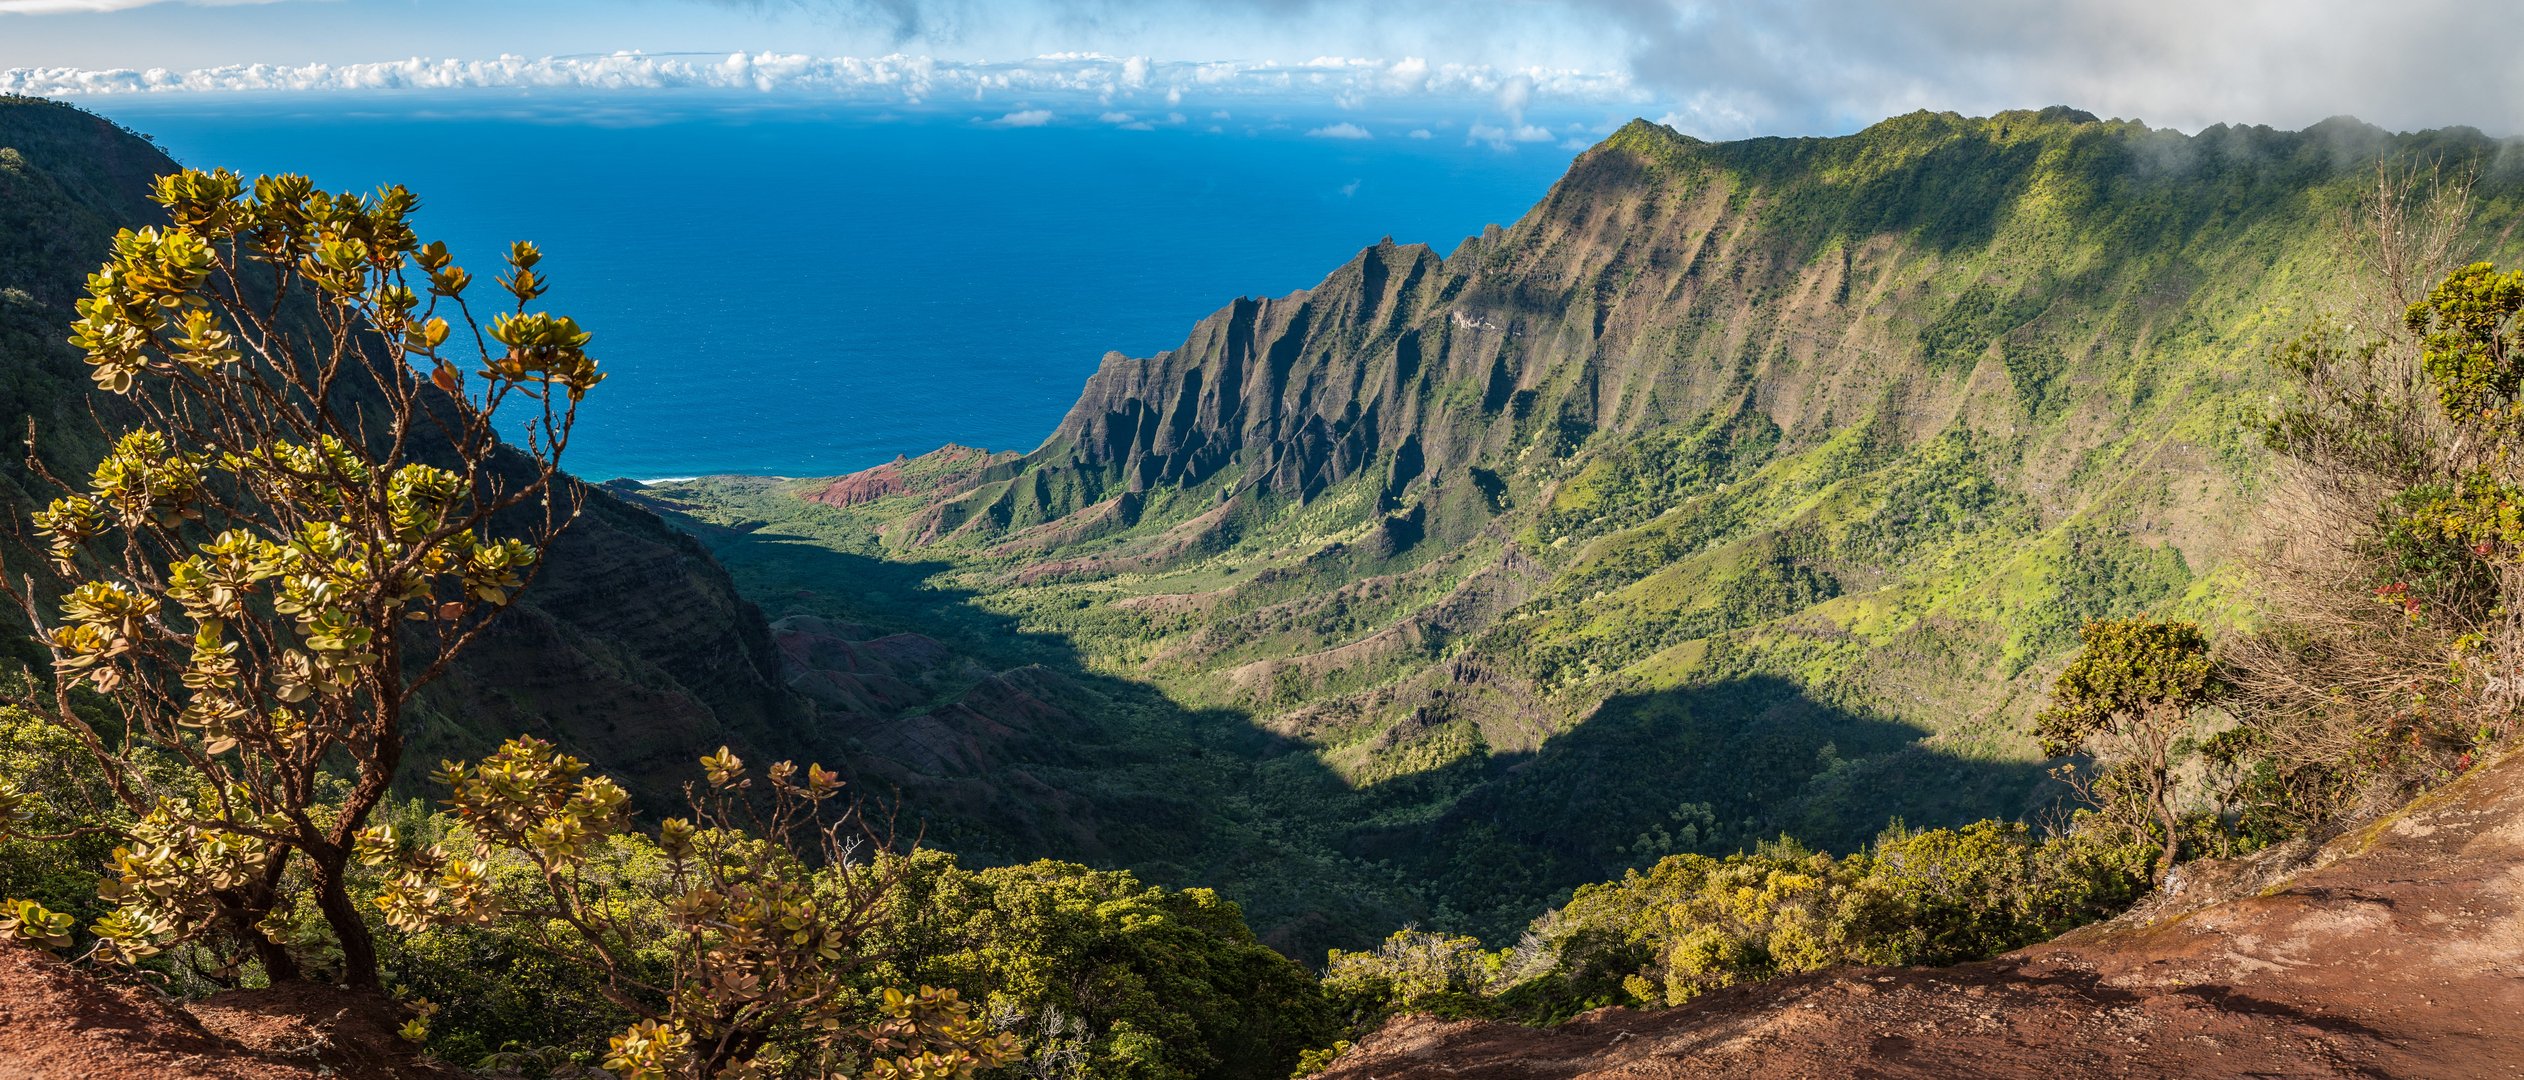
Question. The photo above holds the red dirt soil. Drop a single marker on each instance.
(60, 1023)
(2398, 952)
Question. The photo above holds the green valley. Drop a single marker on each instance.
(1737, 489)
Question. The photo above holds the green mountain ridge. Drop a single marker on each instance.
(1737, 488)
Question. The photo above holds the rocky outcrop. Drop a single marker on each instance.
(1817, 283)
(2397, 951)
(1302, 391)
(864, 486)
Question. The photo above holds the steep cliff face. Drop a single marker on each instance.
(1736, 488)
(1300, 393)
(633, 648)
(2009, 276)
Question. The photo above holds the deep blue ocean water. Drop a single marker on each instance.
(802, 292)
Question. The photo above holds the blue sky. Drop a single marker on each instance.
(1717, 68)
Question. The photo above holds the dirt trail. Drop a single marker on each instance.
(2399, 952)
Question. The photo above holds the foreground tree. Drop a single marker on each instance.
(300, 524)
(2129, 696)
(306, 516)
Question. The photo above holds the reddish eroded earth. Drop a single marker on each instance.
(60, 1023)
(864, 486)
(949, 467)
(2397, 952)
(57, 1022)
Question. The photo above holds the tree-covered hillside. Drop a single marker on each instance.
(1738, 488)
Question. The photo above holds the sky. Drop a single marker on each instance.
(1507, 72)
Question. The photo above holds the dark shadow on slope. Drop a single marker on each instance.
(1003, 746)
(1710, 769)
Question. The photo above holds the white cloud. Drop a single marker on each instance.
(1514, 96)
(1023, 118)
(60, 7)
(1826, 65)
(1505, 138)
(1343, 130)
(1725, 69)
(1087, 81)
(1408, 75)
(1421, 133)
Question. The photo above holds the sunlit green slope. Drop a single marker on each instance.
(1737, 488)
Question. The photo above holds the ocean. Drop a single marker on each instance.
(789, 290)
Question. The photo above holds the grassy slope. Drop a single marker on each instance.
(1738, 488)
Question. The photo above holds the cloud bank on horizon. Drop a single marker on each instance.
(1716, 68)
(1130, 92)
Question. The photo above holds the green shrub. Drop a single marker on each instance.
(62, 825)
(1101, 974)
(1692, 923)
(1414, 971)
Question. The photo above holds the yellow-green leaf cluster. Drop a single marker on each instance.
(164, 881)
(26, 920)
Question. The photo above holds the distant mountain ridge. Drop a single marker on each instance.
(1659, 278)
(1736, 488)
